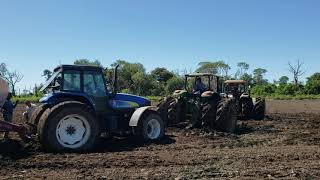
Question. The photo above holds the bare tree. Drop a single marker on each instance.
(13, 78)
(296, 70)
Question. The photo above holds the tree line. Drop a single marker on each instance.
(133, 78)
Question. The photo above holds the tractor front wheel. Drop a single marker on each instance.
(152, 127)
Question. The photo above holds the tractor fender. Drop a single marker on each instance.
(136, 116)
(53, 99)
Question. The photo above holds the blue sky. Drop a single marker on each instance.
(176, 34)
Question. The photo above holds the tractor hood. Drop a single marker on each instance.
(122, 101)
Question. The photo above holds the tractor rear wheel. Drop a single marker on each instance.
(68, 126)
(173, 117)
(259, 108)
(226, 119)
(209, 113)
(152, 127)
(246, 107)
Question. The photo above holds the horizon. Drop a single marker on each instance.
(176, 34)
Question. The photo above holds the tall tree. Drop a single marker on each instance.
(126, 73)
(283, 80)
(88, 62)
(12, 77)
(161, 74)
(218, 67)
(47, 74)
(296, 70)
(243, 67)
(258, 76)
(207, 67)
(313, 84)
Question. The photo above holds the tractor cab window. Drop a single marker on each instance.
(71, 80)
(93, 83)
(197, 84)
(242, 88)
(236, 88)
(57, 81)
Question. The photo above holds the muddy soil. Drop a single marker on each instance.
(285, 145)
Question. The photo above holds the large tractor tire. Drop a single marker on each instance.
(176, 112)
(226, 119)
(151, 128)
(172, 111)
(246, 107)
(259, 108)
(35, 118)
(69, 126)
(209, 113)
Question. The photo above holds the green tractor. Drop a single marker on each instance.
(200, 105)
(247, 107)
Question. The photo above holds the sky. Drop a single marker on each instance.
(176, 34)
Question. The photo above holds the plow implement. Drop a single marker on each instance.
(20, 129)
(6, 126)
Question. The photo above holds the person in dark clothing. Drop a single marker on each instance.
(7, 112)
(199, 86)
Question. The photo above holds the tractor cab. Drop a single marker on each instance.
(236, 88)
(199, 89)
(88, 84)
(247, 107)
(199, 85)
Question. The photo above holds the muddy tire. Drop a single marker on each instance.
(259, 108)
(35, 118)
(176, 112)
(226, 119)
(68, 127)
(151, 127)
(209, 113)
(173, 116)
(246, 107)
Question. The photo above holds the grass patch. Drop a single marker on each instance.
(23, 99)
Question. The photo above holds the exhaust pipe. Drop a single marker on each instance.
(115, 81)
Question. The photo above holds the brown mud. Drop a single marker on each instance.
(285, 145)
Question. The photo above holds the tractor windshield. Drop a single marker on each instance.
(201, 83)
(233, 87)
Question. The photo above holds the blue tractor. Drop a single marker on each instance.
(79, 105)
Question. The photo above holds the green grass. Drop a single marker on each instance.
(23, 99)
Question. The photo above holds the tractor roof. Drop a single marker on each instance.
(235, 82)
(200, 74)
(78, 67)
